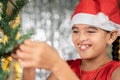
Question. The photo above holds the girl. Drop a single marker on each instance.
(95, 26)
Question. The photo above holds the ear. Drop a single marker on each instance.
(112, 36)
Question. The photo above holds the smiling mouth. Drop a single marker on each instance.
(84, 46)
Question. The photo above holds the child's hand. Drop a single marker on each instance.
(37, 54)
(13, 55)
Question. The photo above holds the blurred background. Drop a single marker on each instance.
(51, 21)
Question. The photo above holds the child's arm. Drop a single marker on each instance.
(116, 74)
(52, 77)
(41, 55)
(28, 74)
(62, 72)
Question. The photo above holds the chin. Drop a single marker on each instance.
(86, 57)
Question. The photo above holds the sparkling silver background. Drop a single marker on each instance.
(51, 21)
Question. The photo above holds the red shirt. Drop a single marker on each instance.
(103, 73)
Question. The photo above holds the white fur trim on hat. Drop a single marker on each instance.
(100, 20)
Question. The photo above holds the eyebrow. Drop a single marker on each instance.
(90, 27)
(74, 27)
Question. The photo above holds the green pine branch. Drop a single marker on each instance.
(17, 8)
(6, 48)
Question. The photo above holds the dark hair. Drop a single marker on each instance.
(115, 49)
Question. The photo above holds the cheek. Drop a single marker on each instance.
(99, 43)
(74, 39)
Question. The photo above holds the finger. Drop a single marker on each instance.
(23, 55)
(25, 48)
(14, 56)
(24, 59)
(31, 43)
(26, 63)
(15, 48)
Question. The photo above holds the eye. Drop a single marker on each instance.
(75, 31)
(91, 31)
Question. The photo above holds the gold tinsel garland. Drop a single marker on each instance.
(6, 62)
(10, 36)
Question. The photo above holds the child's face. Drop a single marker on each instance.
(90, 41)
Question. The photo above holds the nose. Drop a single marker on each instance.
(83, 37)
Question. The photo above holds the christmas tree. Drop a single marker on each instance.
(10, 31)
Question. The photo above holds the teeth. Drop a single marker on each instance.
(83, 46)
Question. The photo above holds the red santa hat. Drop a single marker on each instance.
(104, 14)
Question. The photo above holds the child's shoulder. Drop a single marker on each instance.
(115, 70)
(111, 66)
(114, 63)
